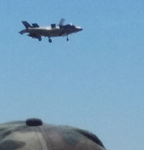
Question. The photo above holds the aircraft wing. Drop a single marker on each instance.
(35, 25)
(35, 36)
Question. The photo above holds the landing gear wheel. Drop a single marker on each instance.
(50, 40)
(67, 38)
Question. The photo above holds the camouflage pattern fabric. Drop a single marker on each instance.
(20, 136)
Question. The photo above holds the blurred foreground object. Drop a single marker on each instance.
(33, 134)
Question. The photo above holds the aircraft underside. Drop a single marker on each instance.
(41, 32)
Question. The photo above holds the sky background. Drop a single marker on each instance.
(94, 82)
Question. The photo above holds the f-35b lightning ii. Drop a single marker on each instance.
(36, 31)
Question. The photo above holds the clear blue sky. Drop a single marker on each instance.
(95, 81)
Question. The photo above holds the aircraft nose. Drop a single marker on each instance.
(79, 28)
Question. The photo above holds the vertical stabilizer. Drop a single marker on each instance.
(26, 24)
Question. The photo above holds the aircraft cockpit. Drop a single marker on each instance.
(71, 24)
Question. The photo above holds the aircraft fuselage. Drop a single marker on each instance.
(45, 31)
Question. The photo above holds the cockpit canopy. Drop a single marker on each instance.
(71, 24)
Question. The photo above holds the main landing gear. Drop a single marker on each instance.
(50, 40)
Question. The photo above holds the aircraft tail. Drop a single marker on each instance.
(26, 24)
(23, 31)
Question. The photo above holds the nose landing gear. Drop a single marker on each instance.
(50, 40)
(67, 38)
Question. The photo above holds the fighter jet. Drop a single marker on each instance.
(36, 31)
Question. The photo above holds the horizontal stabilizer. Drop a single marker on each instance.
(26, 24)
(23, 31)
(35, 25)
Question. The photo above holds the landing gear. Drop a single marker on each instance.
(39, 38)
(50, 40)
(67, 38)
